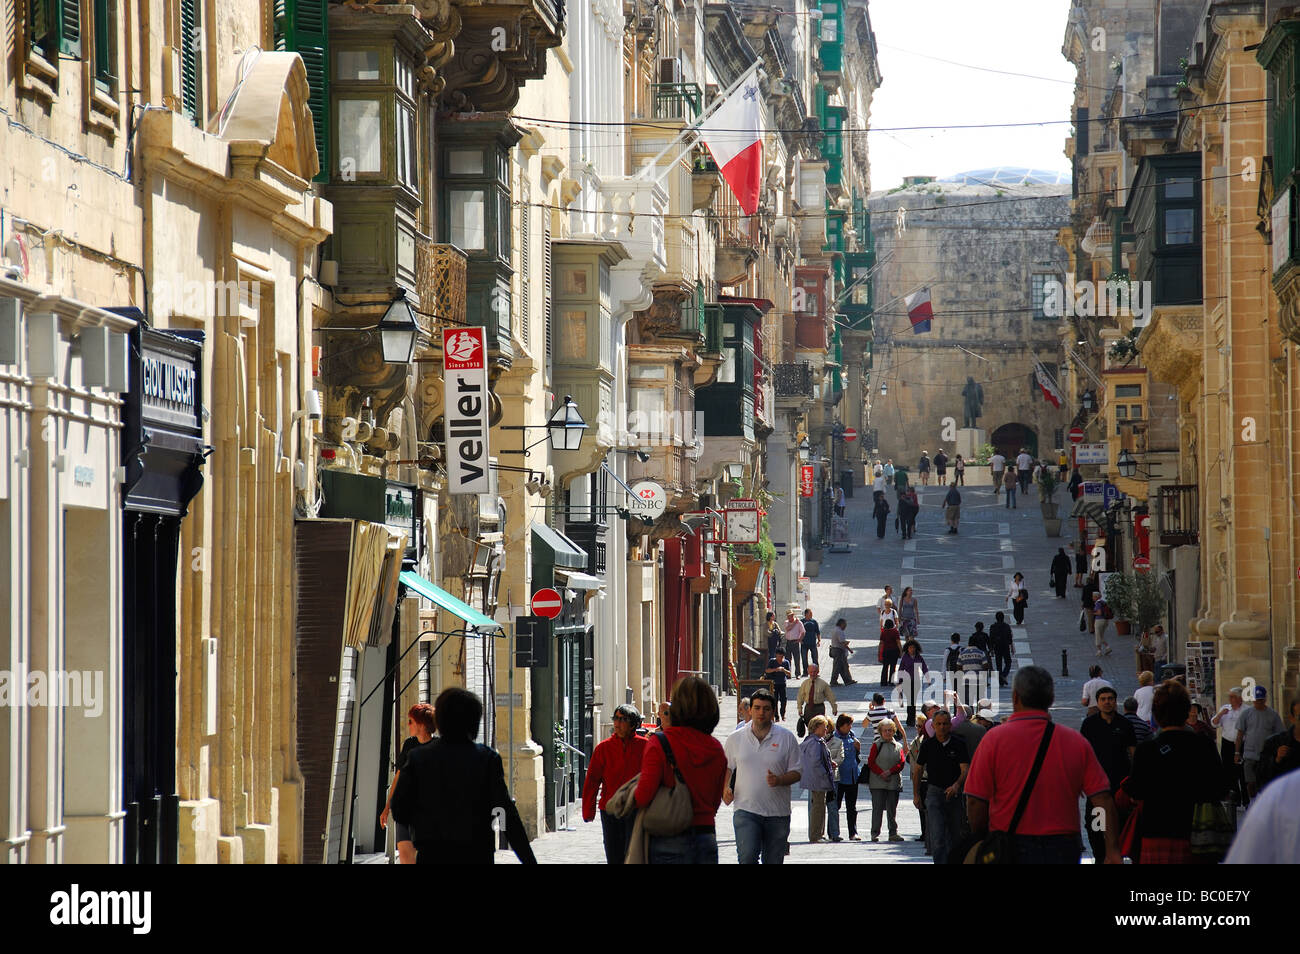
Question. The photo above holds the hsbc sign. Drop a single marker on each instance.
(465, 398)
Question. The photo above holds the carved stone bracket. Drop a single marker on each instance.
(664, 316)
(500, 47)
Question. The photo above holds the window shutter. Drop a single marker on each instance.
(105, 24)
(191, 42)
(43, 26)
(525, 273)
(302, 27)
(69, 12)
(546, 290)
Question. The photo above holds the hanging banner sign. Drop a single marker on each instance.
(465, 397)
(807, 480)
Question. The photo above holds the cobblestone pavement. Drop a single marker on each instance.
(958, 579)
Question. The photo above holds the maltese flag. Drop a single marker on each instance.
(1050, 391)
(919, 310)
(734, 136)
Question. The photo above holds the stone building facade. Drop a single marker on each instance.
(985, 253)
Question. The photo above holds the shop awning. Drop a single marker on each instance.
(446, 601)
(580, 581)
(1090, 509)
(559, 549)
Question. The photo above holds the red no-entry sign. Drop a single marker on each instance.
(546, 602)
(1076, 435)
(850, 434)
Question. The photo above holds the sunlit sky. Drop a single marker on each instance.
(1020, 36)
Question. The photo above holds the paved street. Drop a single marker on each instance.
(958, 579)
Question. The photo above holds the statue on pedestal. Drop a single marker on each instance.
(974, 395)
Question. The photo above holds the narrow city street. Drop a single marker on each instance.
(957, 580)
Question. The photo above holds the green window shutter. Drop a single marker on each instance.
(43, 27)
(105, 24)
(190, 45)
(302, 27)
(69, 12)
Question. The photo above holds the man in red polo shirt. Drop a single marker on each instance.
(613, 763)
(1048, 832)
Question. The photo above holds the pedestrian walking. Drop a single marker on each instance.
(686, 753)
(1080, 564)
(1024, 470)
(839, 501)
(940, 468)
(742, 711)
(1009, 485)
(764, 758)
(453, 791)
(1113, 741)
(815, 695)
(817, 775)
(1039, 810)
(1280, 753)
(1254, 726)
(917, 773)
(1144, 694)
(420, 723)
(979, 637)
(1018, 596)
(1199, 723)
(1075, 485)
(846, 787)
(1062, 465)
(923, 469)
(886, 597)
(885, 762)
(890, 650)
(1225, 720)
(881, 512)
(878, 713)
(1096, 682)
(887, 611)
(794, 633)
(1171, 775)
(1141, 727)
(909, 505)
(975, 664)
(1102, 614)
(777, 672)
(840, 654)
(952, 654)
(1060, 572)
(812, 639)
(909, 615)
(912, 668)
(1001, 641)
(997, 464)
(952, 505)
(775, 634)
(889, 470)
(613, 763)
(946, 764)
(959, 470)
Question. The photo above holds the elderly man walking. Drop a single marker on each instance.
(794, 633)
(1225, 720)
(1057, 766)
(814, 694)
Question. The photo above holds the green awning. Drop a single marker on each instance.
(558, 548)
(446, 601)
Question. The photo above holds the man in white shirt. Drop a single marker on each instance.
(765, 759)
(1090, 688)
(1225, 720)
(1145, 694)
(888, 595)
(1024, 469)
(997, 464)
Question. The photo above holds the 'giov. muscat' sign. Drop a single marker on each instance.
(465, 399)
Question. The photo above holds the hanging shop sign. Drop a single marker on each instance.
(465, 397)
(807, 480)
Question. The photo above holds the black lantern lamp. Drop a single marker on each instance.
(398, 331)
(566, 426)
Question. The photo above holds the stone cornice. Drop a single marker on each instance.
(1171, 344)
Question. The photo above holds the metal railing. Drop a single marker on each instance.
(676, 101)
(793, 379)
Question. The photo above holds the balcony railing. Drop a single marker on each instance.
(676, 101)
(1178, 515)
(440, 276)
(793, 380)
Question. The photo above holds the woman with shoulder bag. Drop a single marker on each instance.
(686, 753)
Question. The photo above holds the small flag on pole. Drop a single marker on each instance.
(919, 310)
(1050, 391)
(734, 137)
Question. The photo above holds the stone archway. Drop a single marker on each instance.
(1009, 438)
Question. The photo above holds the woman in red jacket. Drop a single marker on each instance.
(703, 765)
(613, 763)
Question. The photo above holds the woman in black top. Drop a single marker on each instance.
(419, 722)
(881, 513)
(1172, 774)
(775, 635)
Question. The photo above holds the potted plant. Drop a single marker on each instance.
(1119, 595)
(1047, 485)
(1147, 602)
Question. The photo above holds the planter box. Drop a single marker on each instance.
(1052, 525)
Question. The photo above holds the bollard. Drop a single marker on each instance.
(1065, 663)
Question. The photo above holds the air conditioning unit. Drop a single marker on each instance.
(670, 70)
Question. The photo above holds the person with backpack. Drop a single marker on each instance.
(952, 505)
(923, 468)
(950, 654)
(941, 468)
(1102, 614)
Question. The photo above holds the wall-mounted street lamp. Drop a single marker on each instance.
(398, 331)
(1088, 401)
(805, 450)
(564, 429)
(884, 388)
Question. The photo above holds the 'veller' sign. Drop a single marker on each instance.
(465, 397)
